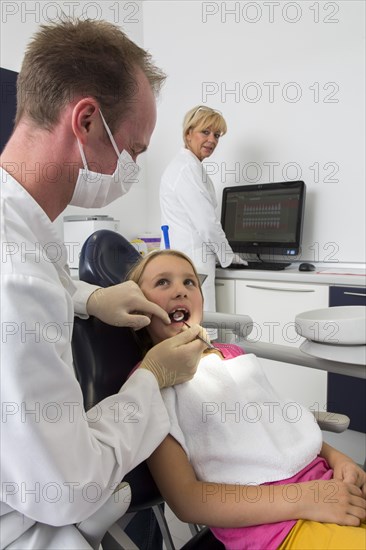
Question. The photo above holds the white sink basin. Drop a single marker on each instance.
(340, 325)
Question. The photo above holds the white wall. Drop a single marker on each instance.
(278, 51)
(19, 20)
(296, 72)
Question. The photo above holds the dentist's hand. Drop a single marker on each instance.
(124, 305)
(175, 360)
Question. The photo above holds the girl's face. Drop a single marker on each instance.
(202, 143)
(170, 282)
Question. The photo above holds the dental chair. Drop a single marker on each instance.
(106, 258)
(103, 358)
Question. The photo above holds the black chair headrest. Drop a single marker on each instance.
(106, 258)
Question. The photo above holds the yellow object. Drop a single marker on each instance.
(152, 241)
(312, 535)
(140, 246)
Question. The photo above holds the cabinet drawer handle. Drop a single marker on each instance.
(219, 284)
(280, 289)
(354, 294)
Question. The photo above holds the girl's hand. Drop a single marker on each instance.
(349, 472)
(333, 501)
(344, 468)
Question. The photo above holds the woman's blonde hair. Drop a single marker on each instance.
(135, 274)
(202, 117)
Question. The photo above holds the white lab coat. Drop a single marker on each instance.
(58, 466)
(189, 207)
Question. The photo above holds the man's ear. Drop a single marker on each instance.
(84, 116)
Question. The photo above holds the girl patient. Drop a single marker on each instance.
(239, 457)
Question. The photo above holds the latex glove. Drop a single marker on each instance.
(238, 260)
(124, 305)
(175, 360)
(203, 334)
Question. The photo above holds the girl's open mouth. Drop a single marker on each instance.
(179, 315)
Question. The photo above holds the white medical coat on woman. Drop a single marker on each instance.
(58, 466)
(189, 207)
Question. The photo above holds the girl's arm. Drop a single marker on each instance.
(222, 505)
(344, 468)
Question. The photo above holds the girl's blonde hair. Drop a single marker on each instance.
(202, 117)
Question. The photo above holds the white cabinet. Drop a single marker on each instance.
(225, 295)
(273, 307)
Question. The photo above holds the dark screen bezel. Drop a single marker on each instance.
(268, 247)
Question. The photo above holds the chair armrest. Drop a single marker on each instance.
(331, 422)
(240, 325)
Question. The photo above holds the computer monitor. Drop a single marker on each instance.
(264, 218)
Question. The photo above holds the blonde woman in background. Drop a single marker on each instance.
(188, 200)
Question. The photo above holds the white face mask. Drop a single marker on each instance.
(94, 190)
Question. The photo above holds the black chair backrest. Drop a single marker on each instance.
(103, 358)
(105, 355)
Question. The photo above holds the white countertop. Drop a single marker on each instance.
(340, 274)
(326, 275)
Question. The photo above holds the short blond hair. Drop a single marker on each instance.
(202, 117)
(86, 58)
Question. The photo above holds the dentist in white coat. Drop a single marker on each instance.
(188, 201)
(86, 109)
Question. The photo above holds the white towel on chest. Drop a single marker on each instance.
(235, 428)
